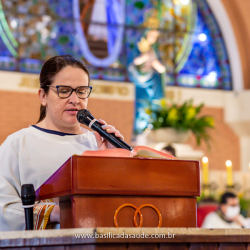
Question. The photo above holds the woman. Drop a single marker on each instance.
(33, 154)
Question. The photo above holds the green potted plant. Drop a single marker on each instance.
(179, 120)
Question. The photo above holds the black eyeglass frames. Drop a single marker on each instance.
(82, 92)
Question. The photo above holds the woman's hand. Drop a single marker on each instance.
(101, 142)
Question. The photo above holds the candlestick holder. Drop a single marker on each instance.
(236, 187)
(209, 188)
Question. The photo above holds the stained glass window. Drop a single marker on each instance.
(106, 34)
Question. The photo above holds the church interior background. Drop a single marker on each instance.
(139, 52)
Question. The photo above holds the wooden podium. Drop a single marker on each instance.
(91, 189)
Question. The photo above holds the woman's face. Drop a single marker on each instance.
(61, 113)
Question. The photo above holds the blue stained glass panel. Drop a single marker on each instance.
(189, 44)
(138, 8)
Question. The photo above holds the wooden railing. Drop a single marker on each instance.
(138, 238)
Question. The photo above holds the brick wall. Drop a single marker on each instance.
(18, 110)
(225, 143)
(117, 113)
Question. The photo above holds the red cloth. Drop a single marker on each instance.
(203, 210)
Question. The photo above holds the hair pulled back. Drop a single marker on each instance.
(51, 68)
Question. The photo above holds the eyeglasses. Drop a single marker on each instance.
(82, 92)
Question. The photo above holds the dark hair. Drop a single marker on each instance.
(225, 196)
(170, 149)
(51, 68)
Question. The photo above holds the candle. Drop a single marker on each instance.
(229, 173)
(205, 170)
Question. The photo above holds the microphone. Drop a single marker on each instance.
(28, 197)
(85, 117)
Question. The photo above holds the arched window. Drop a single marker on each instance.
(106, 34)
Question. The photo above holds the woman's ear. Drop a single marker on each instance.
(42, 97)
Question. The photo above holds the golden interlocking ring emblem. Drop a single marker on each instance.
(138, 211)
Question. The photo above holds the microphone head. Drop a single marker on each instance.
(84, 116)
(28, 194)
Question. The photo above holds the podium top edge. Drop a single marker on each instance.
(133, 158)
